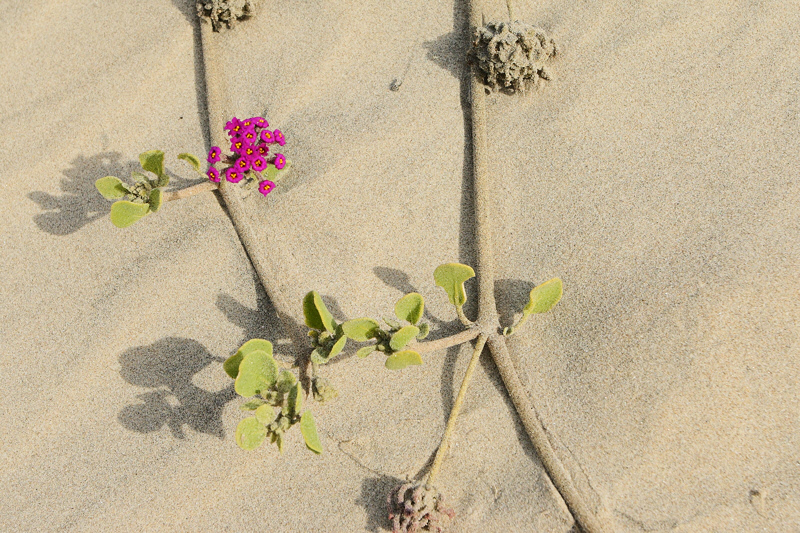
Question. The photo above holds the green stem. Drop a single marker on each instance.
(447, 438)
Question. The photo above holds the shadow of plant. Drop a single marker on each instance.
(168, 366)
(511, 296)
(81, 203)
(374, 492)
(449, 51)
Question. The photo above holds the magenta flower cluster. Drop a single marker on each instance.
(251, 155)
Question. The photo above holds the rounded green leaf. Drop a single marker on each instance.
(400, 360)
(309, 430)
(410, 307)
(273, 174)
(424, 329)
(191, 159)
(250, 433)
(451, 277)
(125, 213)
(153, 161)
(155, 200)
(361, 329)
(403, 337)
(543, 297)
(257, 372)
(318, 356)
(252, 405)
(316, 314)
(285, 381)
(294, 402)
(338, 347)
(265, 414)
(231, 365)
(111, 187)
(365, 351)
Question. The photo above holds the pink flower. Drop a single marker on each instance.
(213, 174)
(242, 164)
(260, 122)
(280, 161)
(232, 123)
(258, 164)
(213, 154)
(279, 138)
(262, 149)
(249, 151)
(267, 136)
(265, 187)
(249, 135)
(237, 146)
(233, 175)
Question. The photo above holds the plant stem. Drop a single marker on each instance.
(440, 344)
(488, 320)
(510, 11)
(190, 191)
(219, 110)
(444, 447)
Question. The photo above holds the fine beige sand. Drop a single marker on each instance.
(656, 174)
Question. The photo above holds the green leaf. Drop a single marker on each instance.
(252, 405)
(273, 174)
(410, 307)
(140, 178)
(400, 360)
(316, 314)
(285, 382)
(257, 372)
(318, 356)
(543, 297)
(250, 433)
(155, 200)
(402, 337)
(111, 187)
(295, 400)
(338, 347)
(265, 414)
(392, 323)
(231, 365)
(365, 351)
(309, 430)
(361, 329)
(279, 441)
(153, 161)
(125, 213)
(424, 329)
(451, 277)
(191, 159)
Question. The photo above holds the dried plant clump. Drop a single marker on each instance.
(225, 12)
(511, 54)
(413, 508)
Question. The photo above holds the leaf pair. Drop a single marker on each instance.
(329, 337)
(408, 308)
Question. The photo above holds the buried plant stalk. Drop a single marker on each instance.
(488, 320)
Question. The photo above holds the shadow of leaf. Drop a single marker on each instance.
(511, 295)
(80, 202)
(167, 366)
